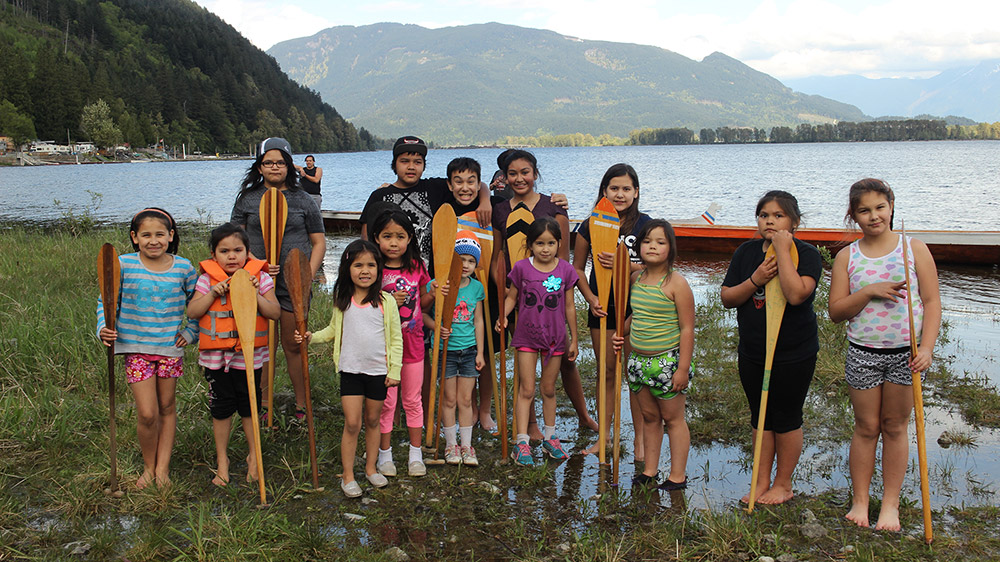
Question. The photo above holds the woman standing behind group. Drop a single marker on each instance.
(304, 230)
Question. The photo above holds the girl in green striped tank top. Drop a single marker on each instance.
(661, 331)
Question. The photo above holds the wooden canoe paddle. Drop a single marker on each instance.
(273, 214)
(298, 279)
(622, 278)
(918, 402)
(444, 230)
(470, 222)
(775, 302)
(109, 280)
(445, 322)
(502, 363)
(518, 222)
(244, 298)
(604, 226)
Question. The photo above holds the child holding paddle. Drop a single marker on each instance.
(794, 353)
(156, 285)
(620, 185)
(368, 352)
(465, 341)
(225, 369)
(661, 334)
(868, 289)
(522, 173)
(405, 278)
(541, 287)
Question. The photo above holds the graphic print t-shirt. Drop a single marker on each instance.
(410, 316)
(541, 305)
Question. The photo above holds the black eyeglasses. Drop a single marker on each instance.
(273, 163)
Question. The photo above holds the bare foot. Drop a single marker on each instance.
(640, 454)
(589, 423)
(251, 468)
(222, 473)
(858, 514)
(487, 423)
(533, 432)
(888, 519)
(163, 480)
(774, 496)
(146, 479)
(760, 491)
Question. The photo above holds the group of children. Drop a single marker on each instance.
(384, 291)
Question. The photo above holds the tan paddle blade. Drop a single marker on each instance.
(621, 277)
(502, 364)
(273, 212)
(298, 278)
(517, 226)
(444, 229)
(243, 295)
(775, 302)
(109, 281)
(918, 402)
(604, 238)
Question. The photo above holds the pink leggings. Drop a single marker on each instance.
(411, 378)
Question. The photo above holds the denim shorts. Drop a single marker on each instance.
(462, 363)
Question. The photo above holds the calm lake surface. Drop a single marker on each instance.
(939, 185)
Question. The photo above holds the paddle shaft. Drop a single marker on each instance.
(299, 280)
(244, 299)
(502, 363)
(604, 226)
(109, 273)
(918, 402)
(621, 276)
(444, 228)
(275, 213)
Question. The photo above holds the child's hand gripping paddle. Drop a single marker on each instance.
(502, 403)
(918, 403)
(469, 222)
(517, 227)
(298, 279)
(775, 302)
(273, 213)
(243, 295)
(445, 321)
(109, 282)
(444, 229)
(604, 238)
(622, 276)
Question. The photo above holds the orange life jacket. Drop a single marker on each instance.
(217, 328)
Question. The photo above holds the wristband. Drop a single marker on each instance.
(754, 284)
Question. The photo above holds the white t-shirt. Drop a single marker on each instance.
(362, 350)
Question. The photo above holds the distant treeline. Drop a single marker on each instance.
(167, 70)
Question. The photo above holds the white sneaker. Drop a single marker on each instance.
(469, 456)
(351, 489)
(417, 468)
(377, 480)
(388, 468)
(453, 455)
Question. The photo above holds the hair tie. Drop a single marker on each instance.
(170, 219)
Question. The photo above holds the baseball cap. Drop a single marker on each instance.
(409, 144)
(276, 143)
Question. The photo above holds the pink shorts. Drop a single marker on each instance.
(529, 350)
(139, 367)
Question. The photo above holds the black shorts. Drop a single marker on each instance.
(228, 393)
(787, 392)
(370, 386)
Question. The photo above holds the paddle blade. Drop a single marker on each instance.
(454, 279)
(298, 277)
(444, 228)
(273, 212)
(469, 222)
(109, 282)
(604, 225)
(244, 298)
(775, 303)
(517, 226)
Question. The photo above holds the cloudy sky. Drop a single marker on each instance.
(784, 38)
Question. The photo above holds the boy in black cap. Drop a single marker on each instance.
(417, 197)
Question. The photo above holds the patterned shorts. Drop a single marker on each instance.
(869, 367)
(140, 367)
(656, 372)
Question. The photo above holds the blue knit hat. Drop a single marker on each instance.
(467, 244)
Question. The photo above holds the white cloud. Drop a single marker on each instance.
(267, 23)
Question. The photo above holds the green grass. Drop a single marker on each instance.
(54, 460)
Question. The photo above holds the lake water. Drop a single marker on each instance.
(939, 185)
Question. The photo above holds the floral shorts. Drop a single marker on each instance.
(140, 367)
(655, 372)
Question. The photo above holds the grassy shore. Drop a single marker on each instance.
(54, 460)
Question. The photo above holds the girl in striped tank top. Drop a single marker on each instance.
(156, 285)
(661, 333)
(868, 289)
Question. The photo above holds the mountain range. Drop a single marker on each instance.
(479, 83)
(971, 91)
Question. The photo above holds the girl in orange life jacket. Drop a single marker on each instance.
(223, 362)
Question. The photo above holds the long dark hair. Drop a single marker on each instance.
(671, 240)
(253, 178)
(788, 203)
(411, 257)
(864, 186)
(343, 289)
(519, 154)
(629, 217)
(160, 214)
